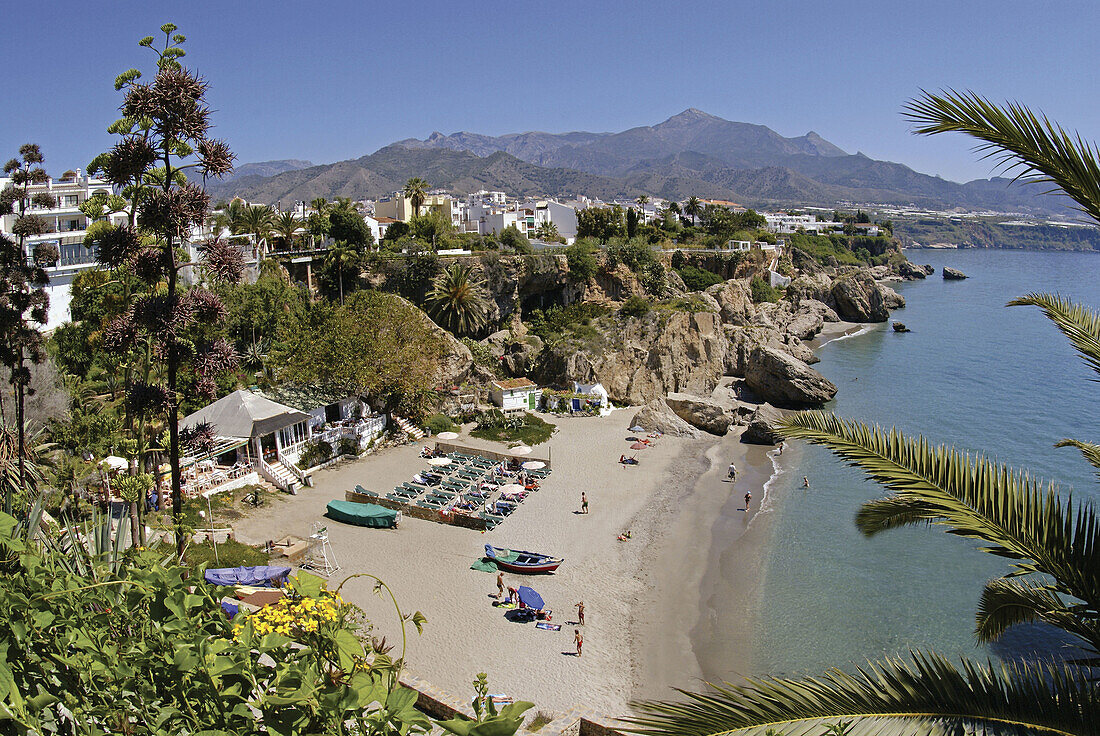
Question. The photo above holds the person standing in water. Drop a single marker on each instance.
(748, 498)
(805, 482)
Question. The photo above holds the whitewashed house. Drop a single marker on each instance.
(515, 394)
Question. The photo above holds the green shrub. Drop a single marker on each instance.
(526, 428)
(698, 279)
(552, 324)
(347, 446)
(315, 453)
(762, 291)
(581, 258)
(437, 423)
(635, 306)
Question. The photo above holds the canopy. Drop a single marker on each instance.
(447, 435)
(530, 598)
(439, 461)
(533, 465)
(637, 428)
(261, 576)
(245, 414)
(116, 463)
(521, 450)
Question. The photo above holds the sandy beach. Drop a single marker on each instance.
(637, 635)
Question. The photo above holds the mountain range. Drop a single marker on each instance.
(692, 153)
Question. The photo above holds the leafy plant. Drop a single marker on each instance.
(698, 279)
(635, 306)
(762, 291)
(487, 721)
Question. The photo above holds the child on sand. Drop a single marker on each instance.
(748, 498)
(578, 639)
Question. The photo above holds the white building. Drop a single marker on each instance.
(68, 227)
(782, 223)
(515, 394)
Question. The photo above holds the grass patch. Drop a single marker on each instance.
(690, 303)
(541, 719)
(437, 423)
(526, 428)
(698, 279)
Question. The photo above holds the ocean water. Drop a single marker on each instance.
(972, 373)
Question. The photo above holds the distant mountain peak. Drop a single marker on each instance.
(691, 114)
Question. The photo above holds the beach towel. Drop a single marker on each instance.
(548, 627)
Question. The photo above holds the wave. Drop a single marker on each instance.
(777, 470)
(861, 331)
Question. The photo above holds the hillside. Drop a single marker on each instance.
(991, 234)
(691, 153)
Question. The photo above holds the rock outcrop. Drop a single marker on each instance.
(782, 379)
(857, 298)
(706, 413)
(891, 298)
(900, 327)
(734, 302)
(912, 271)
(953, 274)
(761, 429)
(656, 415)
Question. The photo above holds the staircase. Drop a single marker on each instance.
(279, 474)
(408, 427)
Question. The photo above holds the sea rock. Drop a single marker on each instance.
(734, 301)
(900, 327)
(761, 429)
(857, 298)
(705, 413)
(784, 380)
(814, 287)
(656, 415)
(953, 274)
(891, 298)
(912, 271)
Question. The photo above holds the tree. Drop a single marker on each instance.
(343, 260)
(23, 280)
(631, 222)
(692, 208)
(174, 326)
(457, 301)
(416, 190)
(257, 220)
(1053, 545)
(642, 200)
(286, 226)
(547, 232)
(348, 226)
(376, 344)
(602, 223)
(511, 237)
(581, 259)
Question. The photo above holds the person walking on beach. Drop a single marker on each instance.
(578, 639)
(748, 499)
(733, 472)
(584, 503)
(805, 482)
(500, 585)
(580, 613)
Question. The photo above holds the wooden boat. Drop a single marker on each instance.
(362, 514)
(514, 560)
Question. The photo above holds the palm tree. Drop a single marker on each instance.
(1053, 545)
(642, 200)
(693, 207)
(457, 301)
(257, 220)
(416, 190)
(285, 226)
(342, 256)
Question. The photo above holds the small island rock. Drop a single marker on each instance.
(900, 327)
(952, 274)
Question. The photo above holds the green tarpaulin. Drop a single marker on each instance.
(487, 565)
(363, 514)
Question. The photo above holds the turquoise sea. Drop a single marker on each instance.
(972, 373)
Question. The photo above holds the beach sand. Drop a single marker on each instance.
(631, 589)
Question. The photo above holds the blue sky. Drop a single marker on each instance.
(327, 81)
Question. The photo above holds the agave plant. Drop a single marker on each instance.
(1052, 543)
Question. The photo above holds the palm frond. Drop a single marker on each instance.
(1080, 324)
(1023, 143)
(1090, 450)
(1006, 602)
(1014, 515)
(891, 697)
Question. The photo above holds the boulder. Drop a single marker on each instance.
(761, 429)
(912, 271)
(656, 415)
(900, 327)
(806, 323)
(858, 298)
(800, 350)
(814, 287)
(734, 301)
(784, 380)
(706, 413)
(953, 274)
(827, 313)
(891, 298)
(521, 356)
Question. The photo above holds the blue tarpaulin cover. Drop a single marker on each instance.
(530, 598)
(261, 576)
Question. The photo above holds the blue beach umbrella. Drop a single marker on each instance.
(530, 598)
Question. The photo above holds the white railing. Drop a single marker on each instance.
(269, 473)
